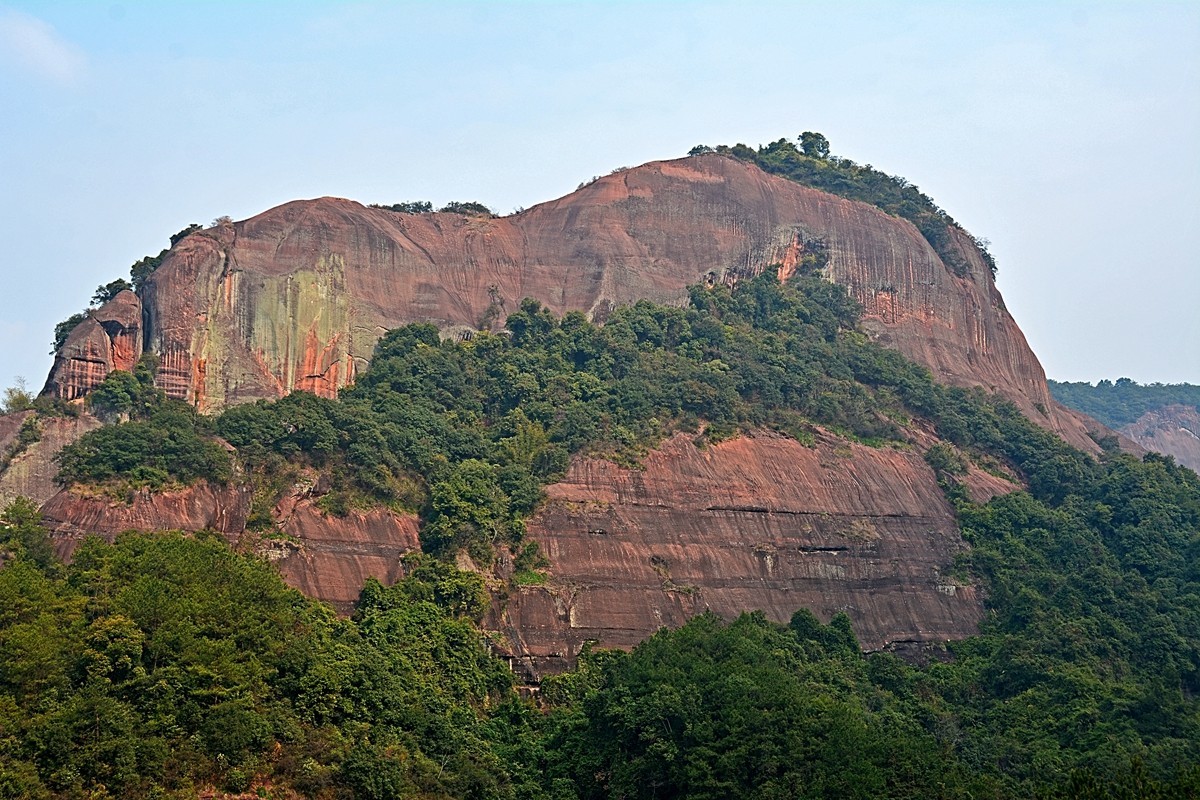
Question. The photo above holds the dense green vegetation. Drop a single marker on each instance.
(812, 165)
(1120, 403)
(410, 207)
(165, 664)
(163, 442)
(171, 663)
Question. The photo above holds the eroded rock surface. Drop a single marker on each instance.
(71, 515)
(31, 472)
(296, 297)
(324, 556)
(758, 522)
(330, 558)
(110, 338)
(1172, 430)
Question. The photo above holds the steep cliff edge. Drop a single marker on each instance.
(296, 297)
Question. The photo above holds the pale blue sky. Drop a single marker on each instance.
(1066, 133)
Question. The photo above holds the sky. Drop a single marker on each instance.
(1067, 134)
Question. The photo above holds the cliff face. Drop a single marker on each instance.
(71, 516)
(296, 298)
(110, 338)
(31, 472)
(758, 522)
(326, 557)
(1171, 430)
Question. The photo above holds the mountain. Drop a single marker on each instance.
(1164, 418)
(580, 560)
(297, 298)
(1172, 430)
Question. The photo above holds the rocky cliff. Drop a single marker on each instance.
(1172, 430)
(296, 298)
(109, 338)
(29, 471)
(759, 522)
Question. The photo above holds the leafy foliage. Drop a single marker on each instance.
(16, 397)
(108, 291)
(170, 443)
(1119, 403)
(165, 662)
(63, 329)
(129, 394)
(413, 207)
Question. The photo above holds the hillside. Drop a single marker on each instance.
(1164, 418)
(171, 664)
(758, 420)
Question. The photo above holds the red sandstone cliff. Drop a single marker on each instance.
(759, 522)
(296, 297)
(110, 338)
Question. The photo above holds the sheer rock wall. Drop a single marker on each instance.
(758, 522)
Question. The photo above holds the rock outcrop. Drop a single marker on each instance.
(71, 515)
(324, 556)
(31, 471)
(331, 557)
(109, 338)
(758, 522)
(1172, 430)
(296, 298)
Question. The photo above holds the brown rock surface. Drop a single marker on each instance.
(330, 558)
(31, 473)
(110, 338)
(296, 297)
(1172, 430)
(71, 516)
(758, 522)
(325, 557)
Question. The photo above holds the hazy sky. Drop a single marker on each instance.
(1066, 133)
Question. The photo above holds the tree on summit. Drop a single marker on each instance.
(108, 291)
(814, 145)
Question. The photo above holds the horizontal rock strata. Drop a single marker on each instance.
(759, 522)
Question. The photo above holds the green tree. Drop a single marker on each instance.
(63, 329)
(16, 397)
(814, 145)
(108, 291)
(22, 534)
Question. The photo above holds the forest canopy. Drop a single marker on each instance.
(165, 665)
